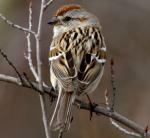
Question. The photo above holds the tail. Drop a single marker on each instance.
(62, 115)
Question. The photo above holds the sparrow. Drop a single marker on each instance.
(77, 56)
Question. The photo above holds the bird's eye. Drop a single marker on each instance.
(67, 18)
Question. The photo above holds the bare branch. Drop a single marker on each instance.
(39, 63)
(111, 107)
(11, 64)
(29, 56)
(38, 49)
(16, 81)
(115, 124)
(113, 84)
(116, 116)
(40, 19)
(47, 4)
(38, 75)
(10, 79)
(16, 26)
(98, 109)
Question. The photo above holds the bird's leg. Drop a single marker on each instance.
(60, 134)
(92, 106)
(52, 98)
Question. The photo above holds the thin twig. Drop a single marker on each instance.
(9, 79)
(39, 63)
(111, 107)
(47, 4)
(38, 49)
(115, 124)
(120, 128)
(113, 84)
(12, 65)
(29, 56)
(16, 26)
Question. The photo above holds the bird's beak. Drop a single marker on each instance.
(53, 21)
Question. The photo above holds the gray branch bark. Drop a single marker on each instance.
(99, 110)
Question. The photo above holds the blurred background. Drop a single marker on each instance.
(125, 26)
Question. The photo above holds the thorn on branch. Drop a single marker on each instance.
(29, 50)
(12, 65)
(16, 26)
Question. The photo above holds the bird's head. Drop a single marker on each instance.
(71, 16)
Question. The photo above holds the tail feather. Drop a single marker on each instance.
(62, 117)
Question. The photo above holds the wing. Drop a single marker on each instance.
(62, 63)
(92, 63)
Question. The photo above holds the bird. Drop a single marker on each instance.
(77, 56)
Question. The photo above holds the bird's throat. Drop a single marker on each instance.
(57, 30)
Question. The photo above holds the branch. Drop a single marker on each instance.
(16, 26)
(115, 124)
(112, 105)
(37, 36)
(47, 4)
(9, 79)
(113, 84)
(11, 64)
(39, 63)
(29, 56)
(99, 110)
(117, 117)
(38, 49)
